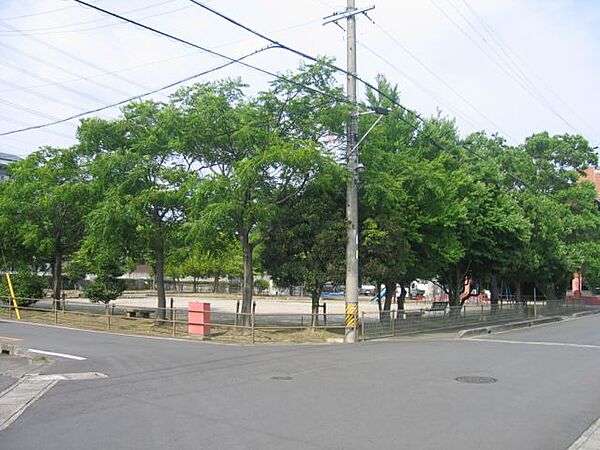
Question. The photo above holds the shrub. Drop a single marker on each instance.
(28, 288)
(104, 289)
(261, 285)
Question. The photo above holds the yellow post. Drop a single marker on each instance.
(12, 295)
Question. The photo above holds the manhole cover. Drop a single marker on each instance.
(282, 378)
(476, 380)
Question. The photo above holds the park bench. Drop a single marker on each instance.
(437, 306)
(137, 312)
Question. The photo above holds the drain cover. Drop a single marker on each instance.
(282, 378)
(476, 380)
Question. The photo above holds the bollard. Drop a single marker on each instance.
(171, 308)
(107, 314)
(325, 313)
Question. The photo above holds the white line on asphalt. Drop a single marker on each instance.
(589, 440)
(550, 344)
(60, 355)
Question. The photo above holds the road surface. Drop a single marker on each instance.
(397, 394)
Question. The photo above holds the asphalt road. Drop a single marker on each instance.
(401, 394)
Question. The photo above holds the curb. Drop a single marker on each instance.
(586, 313)
(509, 326)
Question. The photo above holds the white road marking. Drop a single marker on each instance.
(549, 344)
(589, 440)
(60, 355)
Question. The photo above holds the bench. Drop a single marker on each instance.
(437, 306)
(136, 312)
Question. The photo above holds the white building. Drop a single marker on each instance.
(5, 159)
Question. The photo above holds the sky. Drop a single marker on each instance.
(515, 67)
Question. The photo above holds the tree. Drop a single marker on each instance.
(143, 183)
(261, 152)
(42, 210)
(306, 239)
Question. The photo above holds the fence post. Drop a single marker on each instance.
(237, 312)
(252, 321)
(171, 308)
(362, 325)
(394, 322)
(107, 313)
(325, 313)
(10, 307)
(56, 312)
(174, 320)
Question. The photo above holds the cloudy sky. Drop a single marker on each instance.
(509, 66)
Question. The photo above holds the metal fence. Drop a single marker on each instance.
(427, 320)
(252, 327)
(174, 322)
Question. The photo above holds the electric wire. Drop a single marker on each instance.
(35, 75)
(145, 94)
(60, 29)
(516, 78)
(520, 64)
(364, 82)
(61, 68)
(426, 90)
(41, 13)
(441, 79)
(80, 60)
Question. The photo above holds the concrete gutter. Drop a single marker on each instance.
(508, 326)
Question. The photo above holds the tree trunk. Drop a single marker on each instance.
(518, 292)
(494, 294)
(159, 253)
(390, 290)
(379, 296)
(315, 296)
(455, 287)
(402, 297)
(216, 284)
(57, 277)
(248, 281)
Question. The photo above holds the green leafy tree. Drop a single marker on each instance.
(306, 241)
(261, 152)
(143, 183)
(42, 210)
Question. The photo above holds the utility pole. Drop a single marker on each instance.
(351, 307)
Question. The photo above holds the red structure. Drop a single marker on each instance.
(199, 318)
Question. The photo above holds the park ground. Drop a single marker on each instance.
(163, 393)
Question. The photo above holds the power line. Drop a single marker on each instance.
(60, 68)
(440, 79)
(426, 90)
(366, 83)
(145, 94)
(73, 57)
(522, 83)
(211, 52)
(50, 11)
(509, 52)
(46, 79)
(60, 29)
